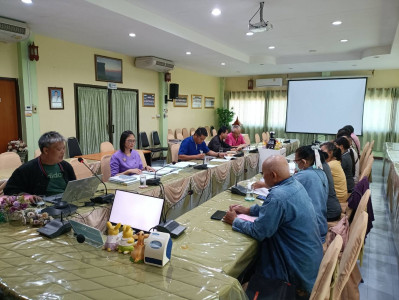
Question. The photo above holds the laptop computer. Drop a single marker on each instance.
(75, 190)
(141, 212)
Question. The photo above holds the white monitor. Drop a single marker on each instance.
(139, 211)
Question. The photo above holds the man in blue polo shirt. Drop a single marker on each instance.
(194, 147)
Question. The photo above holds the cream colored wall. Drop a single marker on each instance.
(8, 60)
(378, 78)
(62, 64)
(192, 83)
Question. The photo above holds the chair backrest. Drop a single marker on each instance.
(174, 150)
(368, 166)
(192, 130)
(364, 158)
(37, 153)
(264, 136)
(350, 255)
(80, 169)
(361, 207)
(247, 139)
(106, 167)
(143, 161)
(214, 132)
(257, 138)
(73, 147)
(179, 135)
(184, 131)
(170, 131)
(171, 136)
(155, 138)
(365, 147)
(9, 160)
(208, 130)
(106, 147)
(372, 145)
(144, 140)
(321, 287)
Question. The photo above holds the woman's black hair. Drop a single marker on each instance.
(222, 129)
(343, 141)
(123, 138)
(307, 153)
(349, 128)
(343, 132)
(336, 152)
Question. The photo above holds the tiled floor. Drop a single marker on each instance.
(380, 269)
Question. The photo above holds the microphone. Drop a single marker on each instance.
(203, 166)
(238, 189)
(107, 198)
(155, 180)
(80, 238)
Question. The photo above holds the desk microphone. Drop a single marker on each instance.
(155, 180)
(203, 166)
(107, 198)
(238, 189)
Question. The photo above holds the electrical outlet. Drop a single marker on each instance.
(34, 109)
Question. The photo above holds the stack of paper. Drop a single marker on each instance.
(183, 164)
(123, 179)
(160, 171)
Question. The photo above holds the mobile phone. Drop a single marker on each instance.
(261, 197)
(218, 215)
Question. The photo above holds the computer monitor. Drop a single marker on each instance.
(141, 212)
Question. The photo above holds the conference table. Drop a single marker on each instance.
(187, 188)
(390, 172)
(205, 261)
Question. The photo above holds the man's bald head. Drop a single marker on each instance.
(275, 169)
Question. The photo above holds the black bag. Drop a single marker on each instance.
(270, 289)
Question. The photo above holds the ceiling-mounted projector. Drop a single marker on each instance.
(262, 25)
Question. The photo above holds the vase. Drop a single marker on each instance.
(23, 156)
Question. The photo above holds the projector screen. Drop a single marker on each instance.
(324, 106)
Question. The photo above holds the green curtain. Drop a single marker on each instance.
(93, 118)
(124, 114)
(249, 107)
(380, 109)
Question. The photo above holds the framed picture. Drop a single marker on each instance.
(181, 101)
(209, 102)
(56, 97)
(148, 99)
(196, 101)
(108, 69)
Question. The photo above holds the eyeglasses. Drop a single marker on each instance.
(131, 141)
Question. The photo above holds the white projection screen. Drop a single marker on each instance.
(324, 106)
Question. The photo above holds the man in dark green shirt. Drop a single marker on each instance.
(47, 174)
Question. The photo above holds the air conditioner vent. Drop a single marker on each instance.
(13, 31)
(154, 63)
(12, 28)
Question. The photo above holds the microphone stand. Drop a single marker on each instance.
(107, 198)
(155, 180)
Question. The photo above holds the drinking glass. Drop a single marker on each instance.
(143, 180)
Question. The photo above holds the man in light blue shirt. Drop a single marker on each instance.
(286, 225)
(194, 147)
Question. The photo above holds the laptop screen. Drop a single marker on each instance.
(139, 211)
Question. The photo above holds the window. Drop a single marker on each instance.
(249, 107)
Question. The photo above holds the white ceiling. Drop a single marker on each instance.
(168, 29)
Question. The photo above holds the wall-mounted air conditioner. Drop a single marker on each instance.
(13, 31)
(154, 63)
(269, 82)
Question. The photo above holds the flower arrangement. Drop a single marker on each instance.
(10, 204)
(17, 146)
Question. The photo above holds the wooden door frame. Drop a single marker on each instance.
(19, 122)
(110, 138)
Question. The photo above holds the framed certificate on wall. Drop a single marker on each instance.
(209, 102)
(196, 101)
(181, 101)
(148, 100)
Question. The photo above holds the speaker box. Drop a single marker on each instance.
(173, 91)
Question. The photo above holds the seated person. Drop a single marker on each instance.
(347, 161)
(217, 143)
(235, 138)
(315, 182)
(127, 161)
(47, 174)
(334, 161)
(194, 147)
(286, 226)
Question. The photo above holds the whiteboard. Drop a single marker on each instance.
(324, 106)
